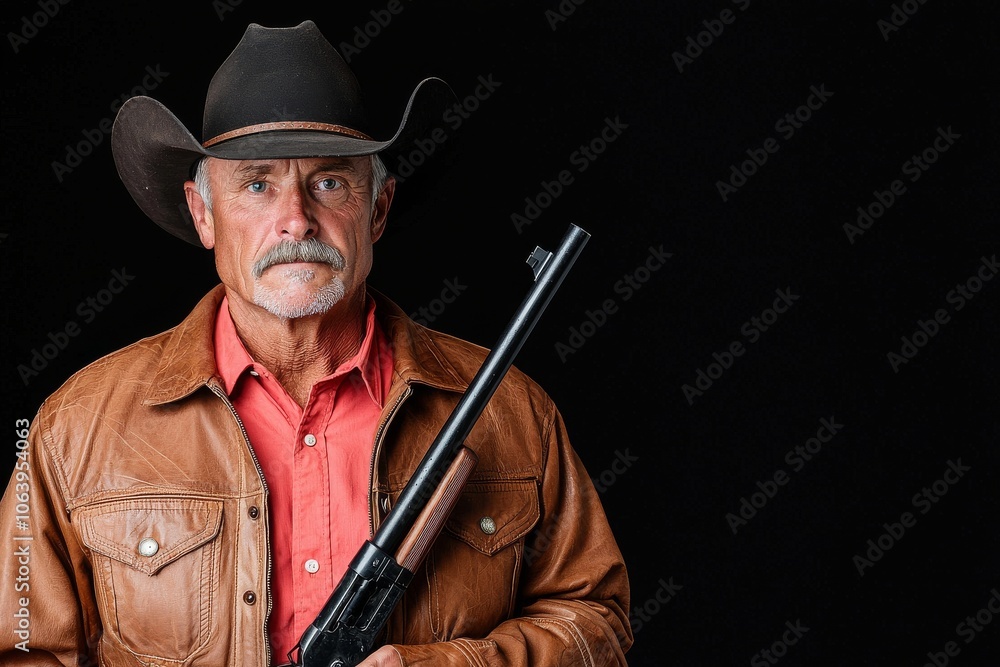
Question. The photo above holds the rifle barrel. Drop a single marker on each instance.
(549, 276)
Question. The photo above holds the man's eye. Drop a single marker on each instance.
(328, 184)
(257, 187)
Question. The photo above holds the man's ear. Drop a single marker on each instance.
(380, 211)
(203, 222)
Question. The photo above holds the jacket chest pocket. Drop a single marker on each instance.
(473, 571)
(155, 566)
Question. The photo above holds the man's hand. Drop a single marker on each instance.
(386, 656)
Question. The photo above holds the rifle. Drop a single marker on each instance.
(345, 630)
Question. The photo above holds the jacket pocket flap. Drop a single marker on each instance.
(490, 515)
(149, 533)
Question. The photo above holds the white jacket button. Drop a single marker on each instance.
(148, 547)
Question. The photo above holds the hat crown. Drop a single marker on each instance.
(282, 74)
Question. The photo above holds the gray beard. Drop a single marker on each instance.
(311, 250)
(274, 301)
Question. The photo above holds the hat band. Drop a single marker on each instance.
(285, 125)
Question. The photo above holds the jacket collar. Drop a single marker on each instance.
(187, 360)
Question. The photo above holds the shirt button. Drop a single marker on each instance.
(488, 525)
(312, 566)
(250, 597)
(254, 373)
(254, 512)
(310, 439)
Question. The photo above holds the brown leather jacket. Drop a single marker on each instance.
(143, 443)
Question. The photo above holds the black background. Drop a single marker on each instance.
(691, 462)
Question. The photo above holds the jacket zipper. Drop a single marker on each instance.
(379, 434)
(260, 472)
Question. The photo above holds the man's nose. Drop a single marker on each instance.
(295, 220)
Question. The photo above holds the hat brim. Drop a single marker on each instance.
(154, 152)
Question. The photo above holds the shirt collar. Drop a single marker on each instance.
(234, 362)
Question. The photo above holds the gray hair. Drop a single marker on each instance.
(379, 176)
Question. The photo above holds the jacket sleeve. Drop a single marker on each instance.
(41, 584)
(573, 591)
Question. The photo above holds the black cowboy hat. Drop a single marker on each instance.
(281, 93)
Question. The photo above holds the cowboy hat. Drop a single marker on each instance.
(281, 93)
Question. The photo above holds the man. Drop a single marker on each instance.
(195, 497)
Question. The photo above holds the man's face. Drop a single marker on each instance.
(293, 236)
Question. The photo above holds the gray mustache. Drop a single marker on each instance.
(310, 250)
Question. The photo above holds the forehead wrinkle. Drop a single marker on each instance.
(247, 168)
(258, 167)
(337, 164)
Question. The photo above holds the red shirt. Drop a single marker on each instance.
(316, 462)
